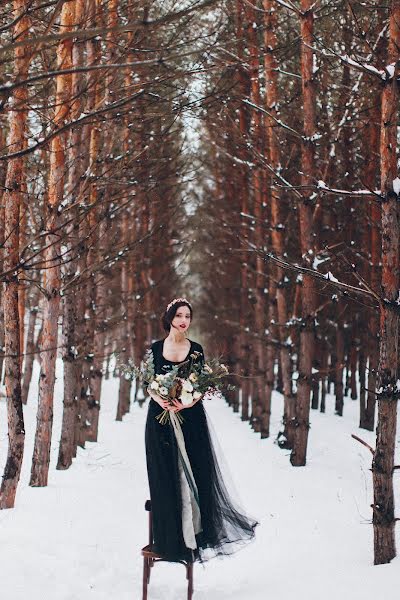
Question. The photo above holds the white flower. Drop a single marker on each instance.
(163, 391)
(224, 367)
(207, 369)
(154, 385)
(193, 377)
(187, 386)
(159, 377)
(186, 398)
(197, 395)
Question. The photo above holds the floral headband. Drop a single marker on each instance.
(178, 300)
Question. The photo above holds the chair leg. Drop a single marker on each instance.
(189, 576)
(146, 576)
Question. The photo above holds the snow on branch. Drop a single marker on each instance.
(88, 33)
(363, 66)
(278, 121)
(81, 120)
(321, 185)
(331, 277)
(289, 5)
(384, 74)
(328, 278)
(234, 159)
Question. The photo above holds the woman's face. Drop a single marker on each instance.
(181, 321)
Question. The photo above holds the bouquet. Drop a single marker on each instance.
(186, 382)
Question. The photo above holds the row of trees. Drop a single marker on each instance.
(304, 200)
(279, 217)
(92, 187)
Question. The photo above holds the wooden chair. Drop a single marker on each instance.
(150, 558)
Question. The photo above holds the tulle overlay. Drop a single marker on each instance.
(180, 533)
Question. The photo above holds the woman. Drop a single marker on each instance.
(179, 533)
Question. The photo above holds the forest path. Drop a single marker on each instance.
(80, 538)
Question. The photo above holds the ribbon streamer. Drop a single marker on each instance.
(191, 517)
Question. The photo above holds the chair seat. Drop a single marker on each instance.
(148, 552)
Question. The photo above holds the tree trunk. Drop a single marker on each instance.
(96, 99)
(41, 452)
(125, 384)
(71, 383)
(388, 392)
(71, 371)
(277, 213)
(340, 355)
(12, 200)
(3, 173)
(367, 418)
(243, 191)
(306, 351)
(30, 345)
(270, 363)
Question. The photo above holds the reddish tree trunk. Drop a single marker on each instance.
(306, 351)
(270, 363)
(41, 452)
(258, 202)
(367, 416)
(71, 371)
(12, 200)
(243, 191)
(3, 172)
(96, 98)
(383, 462)
(277, 214)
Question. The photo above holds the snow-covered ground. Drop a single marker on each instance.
(80, 537)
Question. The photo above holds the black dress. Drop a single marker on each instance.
(224, 525)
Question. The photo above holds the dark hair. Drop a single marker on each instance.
(169, 314)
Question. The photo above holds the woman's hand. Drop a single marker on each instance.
(161, 401)
(177, 406)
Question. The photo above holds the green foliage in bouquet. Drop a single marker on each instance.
(186, 382)
(144, 372)
(210, 377)
(189, 381)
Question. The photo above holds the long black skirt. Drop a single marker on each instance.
(225, 527)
